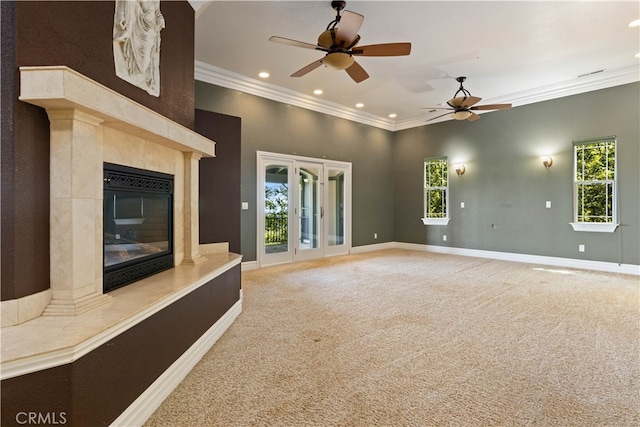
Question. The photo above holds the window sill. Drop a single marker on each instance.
(435, 221)
(594, 227)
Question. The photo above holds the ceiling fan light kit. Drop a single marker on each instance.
(461, 115)
(338, 60)
(338, 41)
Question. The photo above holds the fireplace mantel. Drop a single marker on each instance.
(92, 124)
(61, 88)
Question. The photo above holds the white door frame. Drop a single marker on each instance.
(293, 252)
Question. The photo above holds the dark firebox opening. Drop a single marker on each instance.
(138, 224)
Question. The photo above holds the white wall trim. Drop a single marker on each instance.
(371, 248)
(594, 227)
(249, 265)
(229, 79)
(146, 404)
(610, 267)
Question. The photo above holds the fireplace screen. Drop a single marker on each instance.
(138, 224)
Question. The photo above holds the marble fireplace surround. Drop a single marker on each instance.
(92, 124)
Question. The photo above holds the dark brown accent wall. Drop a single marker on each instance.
(220, 180)
(77, 34)
(98, 387)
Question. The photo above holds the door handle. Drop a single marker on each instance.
(321, 211)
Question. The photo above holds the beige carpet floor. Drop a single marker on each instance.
(405, 338)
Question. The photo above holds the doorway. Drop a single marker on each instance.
(304, 208)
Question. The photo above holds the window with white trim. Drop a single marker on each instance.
(436, 191)
(594, 185)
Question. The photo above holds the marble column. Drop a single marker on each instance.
(191, 209)
(76, 213)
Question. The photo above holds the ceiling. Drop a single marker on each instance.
(510, 51)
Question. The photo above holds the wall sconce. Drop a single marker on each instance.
(547, 161)
(459, 167)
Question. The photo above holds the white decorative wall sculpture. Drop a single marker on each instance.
(136, 43)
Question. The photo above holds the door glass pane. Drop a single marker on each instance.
(335, 209)
(309, 207)
(276, 209)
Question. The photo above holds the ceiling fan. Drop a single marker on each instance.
(463, 106)
(339, 42)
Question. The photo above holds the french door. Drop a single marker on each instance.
(303, 208)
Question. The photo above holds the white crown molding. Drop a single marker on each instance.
(221, 77)
(573, 86)
(199, 6)
(225, 78)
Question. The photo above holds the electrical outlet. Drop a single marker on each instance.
(580, 248)
(444, 237)
(375, 235)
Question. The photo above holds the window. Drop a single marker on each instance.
(595, 185)
(436, 191)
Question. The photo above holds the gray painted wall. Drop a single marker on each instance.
(281, 128)
(504, 188)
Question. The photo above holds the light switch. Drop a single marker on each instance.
(245, 206)
(548, 204)
(461, 205)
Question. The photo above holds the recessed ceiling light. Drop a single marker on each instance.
(393, 115)
(359, 105)
(318, 92)
(263, 74)
(635, 23)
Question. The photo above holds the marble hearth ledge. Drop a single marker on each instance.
(62, 88)
(46, 342)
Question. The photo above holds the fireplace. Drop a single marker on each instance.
(138, 224)
(90, 126)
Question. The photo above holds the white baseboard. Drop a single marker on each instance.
(145, 405)
(371, 248)
(249, 265)
(610, 267)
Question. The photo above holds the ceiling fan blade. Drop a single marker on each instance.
(357, 73)
(437, 117)
(470, 100)
(473, 117)
(296, 43)
(492, 107)
(436, 108)
(385, 49)
(307, 69)
(348, 27)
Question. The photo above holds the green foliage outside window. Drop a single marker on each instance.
(595, 177)
(276, 205)
(436, 182)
